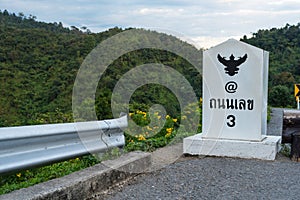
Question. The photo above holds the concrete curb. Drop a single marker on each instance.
(86, 183)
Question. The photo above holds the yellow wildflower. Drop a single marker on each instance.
(130, 114)
(168, 116)
(141, 137)
(174, 120)
(149, 128)
(168, 134)
(19, 175)
(158, 117)
(183, 117)
(169, 130)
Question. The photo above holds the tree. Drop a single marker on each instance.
(280, 96)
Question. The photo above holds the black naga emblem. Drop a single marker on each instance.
(232, 65)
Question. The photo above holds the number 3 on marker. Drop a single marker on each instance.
(231, 120)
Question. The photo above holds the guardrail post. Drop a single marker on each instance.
(295, 149)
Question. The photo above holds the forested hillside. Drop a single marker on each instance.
(39, 62)
(283, 45)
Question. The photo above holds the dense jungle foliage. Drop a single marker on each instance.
(39, 62)
(283, 45)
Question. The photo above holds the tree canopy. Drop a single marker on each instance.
(283, 45)
(39, 62)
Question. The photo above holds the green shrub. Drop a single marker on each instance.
(34, 176)
(153, 131)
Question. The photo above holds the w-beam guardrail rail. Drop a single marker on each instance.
(24, 147)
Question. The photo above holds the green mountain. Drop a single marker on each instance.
(39, 63)
(283, 45)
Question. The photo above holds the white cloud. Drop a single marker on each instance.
(148, 11)
(208, 42)
(207, 21)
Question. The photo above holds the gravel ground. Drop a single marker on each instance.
(215, 178)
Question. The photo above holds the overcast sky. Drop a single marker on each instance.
(206, 22)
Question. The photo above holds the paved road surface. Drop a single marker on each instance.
(216, 178)
(275, 125)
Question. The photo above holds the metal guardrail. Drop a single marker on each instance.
(24, 147)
